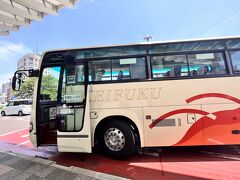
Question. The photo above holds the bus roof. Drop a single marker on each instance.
(149, 43)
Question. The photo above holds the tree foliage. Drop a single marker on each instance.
(49, 87)
(26, 89)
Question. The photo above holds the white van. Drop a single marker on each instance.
(17, 107)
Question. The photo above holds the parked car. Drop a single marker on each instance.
(17, 107)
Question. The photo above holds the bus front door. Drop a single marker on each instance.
(45, 127)
(73, 122)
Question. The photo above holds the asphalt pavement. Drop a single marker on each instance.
(20, 167)
(20, 160)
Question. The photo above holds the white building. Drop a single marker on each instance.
(5, 87)
(29, 61)
(6, 92)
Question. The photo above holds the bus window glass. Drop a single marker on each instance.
(91, 53)
(73, 90)
(128, 68)
(233, 43)
(49, 84)
(129, 50)
(206, 64)
(235, 56)
(169, 66)
(99, 70)
(186, 46)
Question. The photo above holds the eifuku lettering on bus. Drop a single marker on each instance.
(125, 94)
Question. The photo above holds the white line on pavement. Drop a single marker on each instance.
(25, 142)
(26, 135)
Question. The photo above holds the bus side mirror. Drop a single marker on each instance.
(16, 83)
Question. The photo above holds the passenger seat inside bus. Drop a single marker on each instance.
(193, 73)
(175, 71)
(200, 71)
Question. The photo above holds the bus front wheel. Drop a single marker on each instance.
(117, 139)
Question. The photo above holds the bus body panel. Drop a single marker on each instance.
(151, 100)
(170, 130)
(33, 125)
(134, 114)
(220, 131)
(195, 112)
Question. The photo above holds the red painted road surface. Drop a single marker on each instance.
(20, 138)
(171, 163)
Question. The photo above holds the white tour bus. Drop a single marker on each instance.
(119, 98)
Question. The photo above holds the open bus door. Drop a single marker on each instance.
(73, 121)
(63, 119)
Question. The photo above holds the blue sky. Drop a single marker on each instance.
(106, 22)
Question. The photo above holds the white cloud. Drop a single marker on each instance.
(12, 52)
(4, 78)
(219, 26)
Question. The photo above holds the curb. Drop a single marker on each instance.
(73, 169)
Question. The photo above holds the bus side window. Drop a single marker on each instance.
(235, 57)
(129, 68)
(120, 75)
(138, 70)
(169, 66)
(193, 73)
(207, 63)
(99, 70)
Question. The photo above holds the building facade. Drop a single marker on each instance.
(29, 61)
(6, 92)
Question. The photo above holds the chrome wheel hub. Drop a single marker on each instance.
(114, 139)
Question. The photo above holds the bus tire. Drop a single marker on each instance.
(117, 139)
(20, 113)
(3, 113)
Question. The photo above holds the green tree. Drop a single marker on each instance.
(26, 89)
(49, 86)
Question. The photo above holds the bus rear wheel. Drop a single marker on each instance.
(117, 139)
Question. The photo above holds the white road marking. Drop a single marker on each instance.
(25, 142)
(26, 135)
(12, 132)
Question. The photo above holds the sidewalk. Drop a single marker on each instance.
(21, 167)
